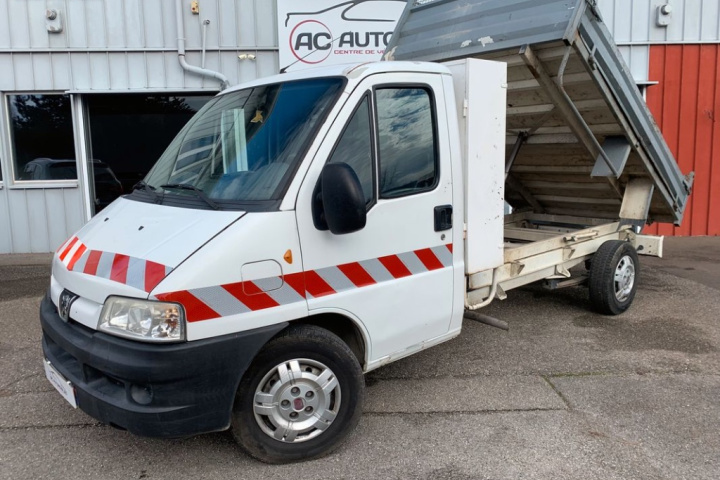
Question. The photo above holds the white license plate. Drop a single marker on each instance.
(63, 386)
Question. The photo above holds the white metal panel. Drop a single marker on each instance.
(246, 20)
(36, 24)
(227, 24)
(42, 71)
(153, 29)
(710, 21)
(19, 225)
(75, 24)
(4, 26)
(37, 220)
(5, 238)
(155, 68)
(99, 71)
(637, 58)
(134, 23)
(118, 72)
(94, 25)
(23, 71)
(55, 209)
(635, 21)
(7, 79)
(18, 24)
(480, 97)
(137, 73)
(62, 77)
(80, 68)
(115, 24)
(265, 23)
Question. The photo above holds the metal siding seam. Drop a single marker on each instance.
(687, 125)
(714, 210)
(702, 141)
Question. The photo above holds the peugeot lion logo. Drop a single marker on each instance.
(66, 300)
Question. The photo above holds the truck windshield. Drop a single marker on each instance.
(244, 146)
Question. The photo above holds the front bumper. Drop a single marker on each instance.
(155, 390)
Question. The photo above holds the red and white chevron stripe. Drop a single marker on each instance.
(242, 297)
(136, 272)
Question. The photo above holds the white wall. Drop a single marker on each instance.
(131, 44)
(633, 21)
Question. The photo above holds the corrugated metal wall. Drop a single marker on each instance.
(633, 21)
(686, 105)
(132, 44)
(683, 58)
(111, 45)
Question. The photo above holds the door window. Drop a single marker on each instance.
(406, 144)
(355, 148)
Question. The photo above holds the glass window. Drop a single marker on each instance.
(244, 146)
(41, 130)
(355, 148)
(128, 132)
(406, 141)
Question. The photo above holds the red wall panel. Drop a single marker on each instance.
(686, 106)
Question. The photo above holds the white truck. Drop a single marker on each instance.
(309, 227)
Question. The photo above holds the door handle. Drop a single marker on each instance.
(443, 217)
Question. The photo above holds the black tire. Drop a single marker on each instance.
(311, 346)
(608, 296)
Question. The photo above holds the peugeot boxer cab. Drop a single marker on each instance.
(298, 232)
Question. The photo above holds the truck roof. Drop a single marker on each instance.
(578, 128)
(353, 71)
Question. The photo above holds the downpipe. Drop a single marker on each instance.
(224, 83)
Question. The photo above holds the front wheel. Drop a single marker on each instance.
(613, 277)
(300, 398)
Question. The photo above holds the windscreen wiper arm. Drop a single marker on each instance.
(200, 194)
(146, 187)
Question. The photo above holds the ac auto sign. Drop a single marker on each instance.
(326, 32)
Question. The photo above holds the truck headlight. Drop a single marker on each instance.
(143, 320)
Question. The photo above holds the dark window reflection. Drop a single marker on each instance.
(129, 132)
(406, 141)
(355, 149)
(42, 137)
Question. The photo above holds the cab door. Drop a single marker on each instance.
(395, 275)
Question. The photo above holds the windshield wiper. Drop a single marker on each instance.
(200, 194)
(146, 187)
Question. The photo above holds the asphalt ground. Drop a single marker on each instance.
(565, 394)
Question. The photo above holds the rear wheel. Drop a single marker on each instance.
(613, 277)
(300, 398)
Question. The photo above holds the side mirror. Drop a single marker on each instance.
(343, 201)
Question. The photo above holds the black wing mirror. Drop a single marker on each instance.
(339, 202)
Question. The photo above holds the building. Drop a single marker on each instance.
(92, 91)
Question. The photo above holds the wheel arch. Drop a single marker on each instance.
(349, 329)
